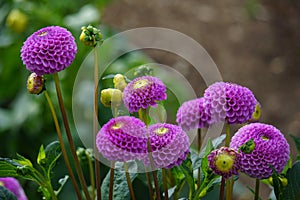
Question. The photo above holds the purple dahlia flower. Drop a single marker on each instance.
(229, 101)
(169, 145)
(143, 92)
(269, 148)
(224, 162)
(14, 186)
(191, 114)
(123, 138)
(49, 50)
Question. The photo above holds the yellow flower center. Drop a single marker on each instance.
(224, 162)
(140, 83)
(161, 131)
(43, 33)
(264, 138)
(117, 126)
(1, 183)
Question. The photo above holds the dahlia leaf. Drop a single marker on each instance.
(120, 191)
(292, 190)
(8, 168)
(187, 170)
(277, 185)
(297, 143)
(52, 152)
(41, 156)
(23, 161)
(6, 194)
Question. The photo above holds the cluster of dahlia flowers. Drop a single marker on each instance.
(125, 138)
(254, 149)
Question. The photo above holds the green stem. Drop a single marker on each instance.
(199, 148)
(143, 114)
(96, 124)
(227, 139)
(165, 183)
(111, 180)
(62, 145)
(129, 181)
(256, 197)
(70, 139)
(92, 177)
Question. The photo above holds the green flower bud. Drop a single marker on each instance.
(203, 192)
(257, 113)
(90, 36)
(247, 147)
(143, 71)
(119, 82)
(35, 84)
(111, 97)
(17, 21)
(283, 180)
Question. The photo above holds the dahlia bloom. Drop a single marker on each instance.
(169, 145)
(224, 162)
(122, 139)
(270, 148)
(49, 50)
(14, 186)
(143, 92)
(229, 101)
(191, 114)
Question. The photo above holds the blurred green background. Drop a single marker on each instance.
(254, 43)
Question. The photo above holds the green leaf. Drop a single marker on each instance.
(8, 168)
(277, 184)
(187, 170)
(120, 191)
(297, 143)
(41, 156)
(23, 161)
(53, 152)
(6, 194)
(62, 182)
(292, 190)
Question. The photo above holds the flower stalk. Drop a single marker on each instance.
(70, 139)
(63, 149)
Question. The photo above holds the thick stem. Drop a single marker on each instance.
(111, 180)
(96, 125)
(92, 176)
(62, 145)
(70, 139)
(222, 189)
(156, 185)
(149, 185)
(230, 181)
(199, 148)
(165, 183)
(129, 181)
(227, 139)
(256, 197)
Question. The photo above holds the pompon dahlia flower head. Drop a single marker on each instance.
(14, 186)
(253, 150)
(221, 102)
(49, 50)
(125, 138)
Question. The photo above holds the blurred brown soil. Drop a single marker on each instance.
(257, 46)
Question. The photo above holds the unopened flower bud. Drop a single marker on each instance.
(17, 21)
(119, 82)
(111, 97)
(257, 113)
(90, 36)
(35, 83)
(283, 181)
(248, 147)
